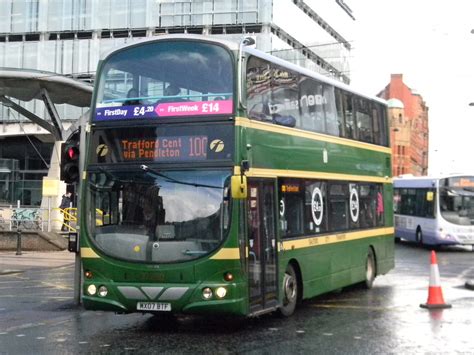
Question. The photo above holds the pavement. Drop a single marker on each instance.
(11, 263)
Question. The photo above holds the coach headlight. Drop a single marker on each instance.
(103, 291)
(221, 292)
(207, 293)
(91, 290)
(445, 235)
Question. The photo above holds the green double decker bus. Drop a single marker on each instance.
(222, 180)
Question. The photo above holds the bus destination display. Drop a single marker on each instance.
(162, 144)
(165, 148)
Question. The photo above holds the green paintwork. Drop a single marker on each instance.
(323, 268)
(279, 151)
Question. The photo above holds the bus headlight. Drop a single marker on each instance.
(103, 291)
(91, 290)
(221, 292)
(206, 293)
(445, 235)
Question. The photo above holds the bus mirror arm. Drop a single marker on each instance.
(244, 166)
(239, 182)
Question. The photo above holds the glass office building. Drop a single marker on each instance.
(67, 37)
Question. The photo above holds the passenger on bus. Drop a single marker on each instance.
(172, 90)
(171, 94)
(132, 94)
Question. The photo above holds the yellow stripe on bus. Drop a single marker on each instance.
(274, 173)
(335, 238)
(227, 254)
(270, 127)
(234, 253)
(89, 253)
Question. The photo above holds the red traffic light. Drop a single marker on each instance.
(70, 159)
(73, 153)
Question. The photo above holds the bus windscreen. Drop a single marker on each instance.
(166, 79)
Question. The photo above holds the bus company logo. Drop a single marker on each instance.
(102, 150)
(282, 208)
(217, 145)
(317, 207)
(354, 205)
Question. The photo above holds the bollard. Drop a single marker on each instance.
(18, 242)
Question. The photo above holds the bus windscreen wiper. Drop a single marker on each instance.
(150, 171)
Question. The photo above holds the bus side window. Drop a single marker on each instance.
(380, 209)
(350, 119)
(396, 200)
(291, 197)
(338, 207)
(259, 76)
(284, 97)
(430, 205)
(382, 111)
(332, 123)
(377, 124)
(339, 97)
(364, 120)
(311, 104)
(368, 203)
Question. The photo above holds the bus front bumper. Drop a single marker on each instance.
(125, 299)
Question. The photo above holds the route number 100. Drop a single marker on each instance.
(198, 147)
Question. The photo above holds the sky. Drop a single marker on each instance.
(431, 44)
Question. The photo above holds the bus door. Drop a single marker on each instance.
(262, 244)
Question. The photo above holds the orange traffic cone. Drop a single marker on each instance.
(435, 293)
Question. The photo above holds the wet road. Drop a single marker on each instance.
(37, 317)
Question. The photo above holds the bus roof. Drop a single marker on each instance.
(415, 181)
(408, 181)
(234, 46)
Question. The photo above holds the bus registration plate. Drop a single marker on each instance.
(154, 306)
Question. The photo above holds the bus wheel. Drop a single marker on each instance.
(370, 269)
(290, 292)
(419, 236)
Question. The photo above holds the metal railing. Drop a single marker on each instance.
(42, 219)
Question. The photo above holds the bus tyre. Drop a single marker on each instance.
(419, 236)
(290, 292)
(370, 270)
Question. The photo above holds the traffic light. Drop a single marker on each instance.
(70, 160)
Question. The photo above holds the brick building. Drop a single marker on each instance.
(408, 117)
